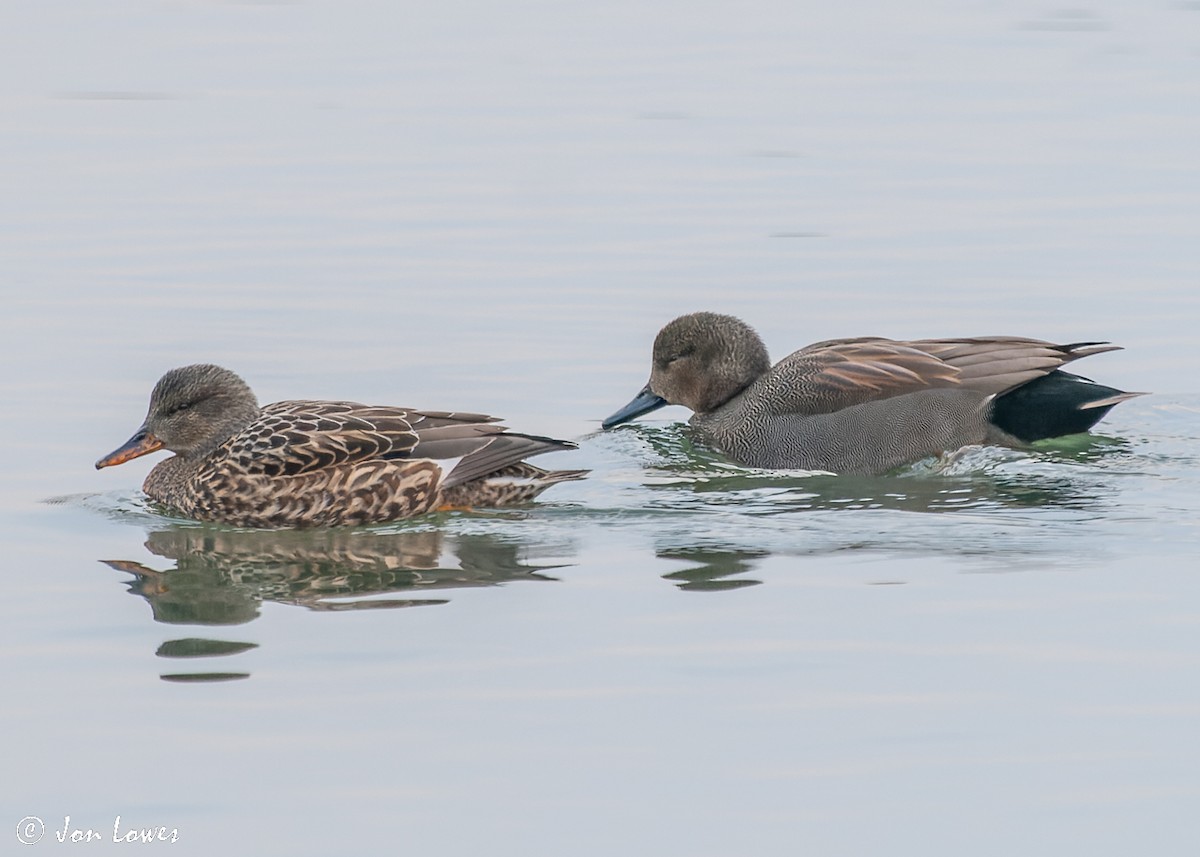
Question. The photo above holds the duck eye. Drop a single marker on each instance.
(181, 407)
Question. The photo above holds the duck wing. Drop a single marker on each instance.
(297, 437)
(997, 364)
(500, 450)
(834, 374)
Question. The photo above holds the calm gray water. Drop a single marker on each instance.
(463, 205)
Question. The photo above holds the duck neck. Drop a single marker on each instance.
(168, 481)
(740, 365)
(233, 424)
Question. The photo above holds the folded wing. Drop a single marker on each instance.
(293, 438)
(834, 374)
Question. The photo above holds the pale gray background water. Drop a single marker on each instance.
(495, 207)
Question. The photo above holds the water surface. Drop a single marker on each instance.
(466, 207)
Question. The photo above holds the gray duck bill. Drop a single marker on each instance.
(643, 403)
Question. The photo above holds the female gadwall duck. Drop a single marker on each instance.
(304, 464)
(866, 405)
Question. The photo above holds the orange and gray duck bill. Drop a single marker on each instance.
(142, 443)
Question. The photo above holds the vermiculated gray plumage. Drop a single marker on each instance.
(869, 404)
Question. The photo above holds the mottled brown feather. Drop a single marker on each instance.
(302, 463)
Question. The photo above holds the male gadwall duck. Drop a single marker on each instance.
(866, 405)
(304, 464)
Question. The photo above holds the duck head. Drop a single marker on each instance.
(701, 361)
(193, 410)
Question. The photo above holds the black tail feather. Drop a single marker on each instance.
(1054, 405)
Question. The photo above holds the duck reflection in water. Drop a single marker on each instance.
(222, 576)
(711, 569)
(684, 474)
